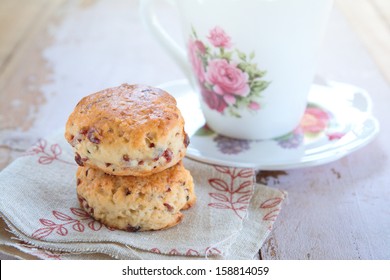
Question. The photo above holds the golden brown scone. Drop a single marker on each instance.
(136, 203)
(127, 130)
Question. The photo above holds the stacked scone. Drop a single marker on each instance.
(129, 142)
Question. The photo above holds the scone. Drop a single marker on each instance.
(136, 203)
(127, 130)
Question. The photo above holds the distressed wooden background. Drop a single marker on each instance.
(53, 52)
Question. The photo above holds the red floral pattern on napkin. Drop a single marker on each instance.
(45, 154)
(231, 195)
(66, 223)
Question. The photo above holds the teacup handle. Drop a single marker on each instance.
(151, 22)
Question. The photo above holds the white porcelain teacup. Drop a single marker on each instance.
(253, 60)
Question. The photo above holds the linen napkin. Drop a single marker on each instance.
(38, 203)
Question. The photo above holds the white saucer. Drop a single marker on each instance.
(338, 122)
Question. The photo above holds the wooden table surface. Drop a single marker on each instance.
(53, 52)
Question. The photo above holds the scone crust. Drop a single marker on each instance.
(136, 203)
(127, 130)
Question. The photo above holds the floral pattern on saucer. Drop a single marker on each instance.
(229, 80)
(316, 122)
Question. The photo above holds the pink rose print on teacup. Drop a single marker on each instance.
(229, 80)
(196, 50)
(218, 38)
(254, 106)
(214, 101)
